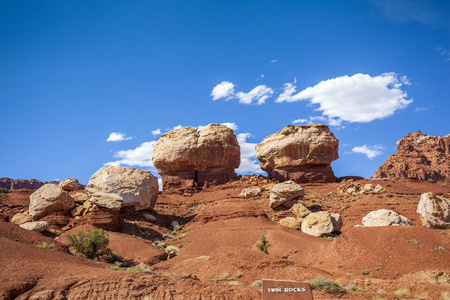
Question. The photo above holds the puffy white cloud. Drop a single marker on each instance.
(156, 131)
(249, 162)
(118, 137)
(225, 89)
(140, 156)
(273, 61)
(231, 125)
(370, 151)
(357, 98)
(298, 121)
(258, 94)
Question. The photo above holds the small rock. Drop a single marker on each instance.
(80, 197)
(77, 211)
(434, 211)
(368, 187)
(37, 226)
(300, 210)
(107, 200)
(318, 224)
(351, 190)
(250, 192)
(69, 184)
(175, 224)
(291, 222)
(285, 191)
(20, 218)
(337, 221)
(384, 217)
(149, 217)
(378, 189)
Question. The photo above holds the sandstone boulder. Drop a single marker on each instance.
(300, 210)
(107, 200)
(187, 159)
(291, 222)
(80, 197)
(434, 211)
(37, 226)
(251, 192)
(318, 224)
(48, 198)
(138, 188)
(300, 153)
(419, 156)
(20, 218)
(69, 184)
(284, 192)
(336, 219)
(384, 217)
(105, 218)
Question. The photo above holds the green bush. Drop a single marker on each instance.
(46, 246)
(365, 272)
(3, 191)
(91, 245)
(321, 283)
(263, 245)
(431, 180)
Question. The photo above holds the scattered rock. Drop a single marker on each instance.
(149, 217)
(291, 222)
(384, 217)
(251, 192)
(138, 188)
(107, 200)
(20, 218)
(300, 153)
(38, 226)
(368, 187)
(69, 184)
(80, 197)
(175, 224)
(336, 219)
(419, 156)
(318, 224)
(378, 189)
(284, 192)
(300, 210)
(49, 198)
(434, 211)
(187, 159)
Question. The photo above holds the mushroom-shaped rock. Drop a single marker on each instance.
(300, 153)
(187, 158)
(434, 211)
(318, 224)
(384, 217)
(69, 184)
(284, 192)
(48, 198)
(138, 188)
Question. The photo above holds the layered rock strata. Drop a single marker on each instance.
(300, 153)
(187, 159)
(419, 156)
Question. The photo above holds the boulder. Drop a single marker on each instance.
(291, 222)
(378, 189)
(284, 192)
(434, 211)
(80, 197)
(37, 226)
(299, 153)
(187, 159)
(384, 217)
(318, 224)
(48, 198)
(419, 156)
(107, 200)
(368, 187)
(138, 188)
(149, 217)
(251, 192)
(336, 219)
(69, 184)
(20, 218)
(300, 210)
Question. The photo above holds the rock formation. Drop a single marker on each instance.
(69, 184)
(29, 184)
(299, 153)
(284, 192)
(188, 159)
(320, 223)
(49, 198)
(137, 188)
(434, 211)
(384, 217)
(419, 156)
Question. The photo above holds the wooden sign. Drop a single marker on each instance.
(285, 289)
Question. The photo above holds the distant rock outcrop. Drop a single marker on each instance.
(299, 153)
(188, 159)
(29, 184)
(115, 187)
(419, 156)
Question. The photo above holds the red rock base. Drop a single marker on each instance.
(320, 173)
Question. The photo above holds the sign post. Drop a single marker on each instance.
(285, 289)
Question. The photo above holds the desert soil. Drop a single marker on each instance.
(218, 257)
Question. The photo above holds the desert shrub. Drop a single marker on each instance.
(396, 178)
(257, 283)
(365, 272)
(91, 245)
(401, 292)
(3, 190)
(172, 249)
(388, 195)
(322, 283)
(46, 246)
(431, 180)
(263, 245)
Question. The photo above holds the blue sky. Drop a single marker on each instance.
(74, 74)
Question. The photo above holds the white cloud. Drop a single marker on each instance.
(225, 89)
(298, 121)
(370, 151)
(249, 162)
(359, 98)
(118, 137)
(156, 131)
(258, 94)
(274, 61)
(140, 156)
(262, 75)
(177, 127)
(231, 125)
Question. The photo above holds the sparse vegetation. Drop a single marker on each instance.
(431, 180)
(3, 190)
(263, 245)
(365, 272)
(159, 244)
(397, 178)
(257, 283)
(91, 245)
(322, 283)
(440, 249)
(46, 246)
(388, 195)
(401, 292)
(171, 275)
